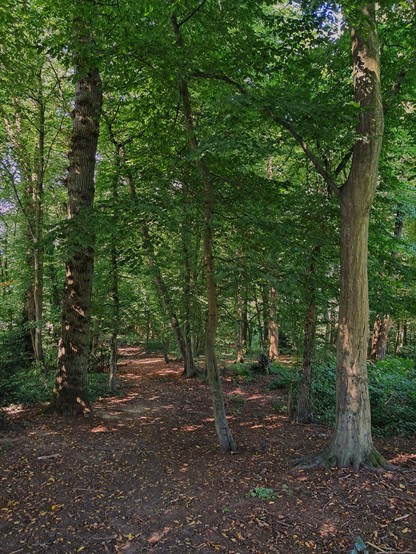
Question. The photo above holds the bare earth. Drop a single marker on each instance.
(144, 474)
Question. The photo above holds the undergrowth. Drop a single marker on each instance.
(392, 387)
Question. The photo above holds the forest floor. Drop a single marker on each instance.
(144, 474)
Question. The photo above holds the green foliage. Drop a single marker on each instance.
(392, 387)
(392, 384)
(262, 493)
(33, 386)
(285, 376)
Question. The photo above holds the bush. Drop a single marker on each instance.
(34, 386)
(392, 387)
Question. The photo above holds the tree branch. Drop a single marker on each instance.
(193, 12)
(316, 163)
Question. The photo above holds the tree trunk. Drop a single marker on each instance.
(225, 438)
(380, 338)
(273, 328)
(162, 289)
(190, 369)
(70, 394)
(304, 412)
(266, 316)
(38, 226)
(240, 340)
(352, 443)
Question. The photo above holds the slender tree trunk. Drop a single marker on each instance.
(240, 338)
(266, 316)
(70, 394)
(162, 289)
(304, 412)
(190, 369)
(352, 443)
(163, 292)
(225, 438)
(115, 294)
(38, 226)
(273, 328)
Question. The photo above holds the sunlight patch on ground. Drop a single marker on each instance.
(190, 428)
(100, 429)
(403, 459)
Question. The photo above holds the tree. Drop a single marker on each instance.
(70, 395)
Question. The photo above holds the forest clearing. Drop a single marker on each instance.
(144, 474)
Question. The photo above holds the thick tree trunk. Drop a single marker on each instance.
(273, 327)
(70, 394)
(352, 443)
(225, 438)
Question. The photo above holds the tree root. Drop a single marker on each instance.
(374, 461)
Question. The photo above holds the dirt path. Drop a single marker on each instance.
(145, 475)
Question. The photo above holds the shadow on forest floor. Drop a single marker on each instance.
(144, 474)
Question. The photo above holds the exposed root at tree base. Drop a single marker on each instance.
(374, 461)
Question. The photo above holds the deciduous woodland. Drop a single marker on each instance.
(226, 189)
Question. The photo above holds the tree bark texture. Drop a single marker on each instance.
(225, 438)
(70, 394)
(352, 443)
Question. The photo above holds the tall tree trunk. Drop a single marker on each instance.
(273, 327)
(225, 438)
(162, 289)
(190, 369)
(304, 411)
(380, 338)
(266, 315)
(240, 338)
(70, 394)
(352, 443)
(115, 295)
(39, 164)
(163, 292)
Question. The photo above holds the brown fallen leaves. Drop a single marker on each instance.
(145, 475)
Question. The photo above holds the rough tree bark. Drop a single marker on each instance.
(352, 443)
(70, 395)
(225, 437)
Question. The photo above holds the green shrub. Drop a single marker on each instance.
(392, 387)
(285, 376)
(392, 384)
(33, 386)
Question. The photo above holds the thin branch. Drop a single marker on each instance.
(188, 17)
(316, 163)
(217, 77)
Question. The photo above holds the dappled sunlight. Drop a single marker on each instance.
(100, 429)
(403, 458)
(190, 428)
(327, 530)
